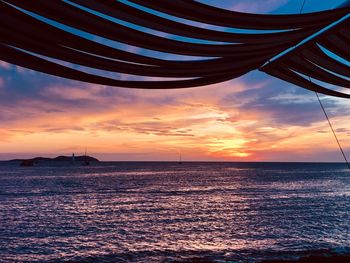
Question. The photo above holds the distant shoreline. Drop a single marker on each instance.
(69, 158)
(61, 158)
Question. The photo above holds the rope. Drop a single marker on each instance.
(331, 126)
(325, 112)
(302, 7)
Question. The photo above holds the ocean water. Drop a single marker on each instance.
(166, 212)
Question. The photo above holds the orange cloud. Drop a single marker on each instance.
(227, 121)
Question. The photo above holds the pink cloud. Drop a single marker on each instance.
(4, 65)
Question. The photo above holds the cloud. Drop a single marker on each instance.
(282, 104)
(4, 65)
(254, 117)
(236, 120)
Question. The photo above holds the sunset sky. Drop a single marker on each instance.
(253, 118)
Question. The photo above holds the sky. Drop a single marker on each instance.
(252, 118)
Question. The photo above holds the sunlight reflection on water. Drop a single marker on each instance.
(143, 212)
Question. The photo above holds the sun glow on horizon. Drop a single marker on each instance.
(253, 118)
(196, 123)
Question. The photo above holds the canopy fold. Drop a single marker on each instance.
(99, 40)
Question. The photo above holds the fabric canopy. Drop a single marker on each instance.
(324, 60)
(86, 40)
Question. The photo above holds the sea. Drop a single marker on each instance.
(171, 212)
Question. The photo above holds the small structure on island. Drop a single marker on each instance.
(86, 160)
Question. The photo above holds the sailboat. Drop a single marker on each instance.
(180, 158)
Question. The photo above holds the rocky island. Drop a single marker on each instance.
(83, 159)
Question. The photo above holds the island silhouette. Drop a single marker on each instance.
(85, 159)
